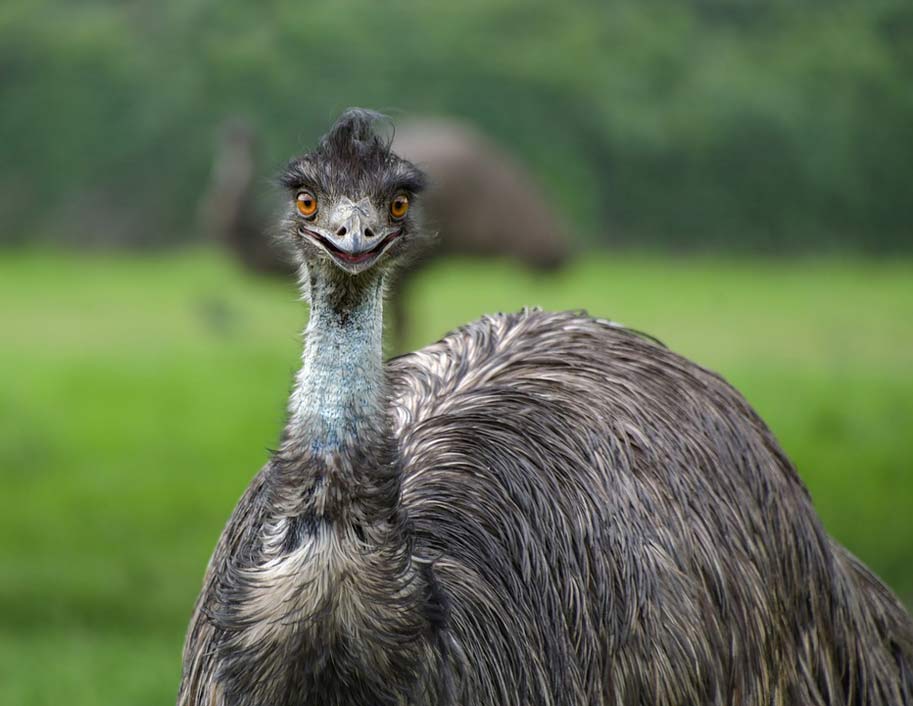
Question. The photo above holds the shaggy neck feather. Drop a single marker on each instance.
(339, 391)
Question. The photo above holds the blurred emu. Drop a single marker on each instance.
(228, 211)
(479, 201)
(542, 508)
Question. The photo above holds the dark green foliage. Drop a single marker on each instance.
(761, 125)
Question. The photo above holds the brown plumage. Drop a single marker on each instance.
(228, 212)
(542, 508)
(479, 202)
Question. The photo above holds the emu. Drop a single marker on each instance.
(472, 184)
(541, 508)
(227, 212)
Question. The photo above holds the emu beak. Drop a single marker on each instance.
(356, 239)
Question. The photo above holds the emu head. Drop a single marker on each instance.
(351, 201)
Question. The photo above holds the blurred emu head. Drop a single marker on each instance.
(351, 200)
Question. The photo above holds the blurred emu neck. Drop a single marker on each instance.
(338, 399)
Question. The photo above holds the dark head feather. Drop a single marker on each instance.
(354, 159)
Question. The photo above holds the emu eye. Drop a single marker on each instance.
(306, 203)
(399, 206)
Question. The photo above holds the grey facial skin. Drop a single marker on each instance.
(540, 509)
(355, 237)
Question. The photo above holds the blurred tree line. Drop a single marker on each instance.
(765, 125)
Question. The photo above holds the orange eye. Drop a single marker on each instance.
(306, 203)
(399, 206)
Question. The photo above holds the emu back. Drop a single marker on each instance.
(582, 517)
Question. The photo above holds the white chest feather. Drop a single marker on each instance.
(289, 590)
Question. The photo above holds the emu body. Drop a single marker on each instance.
(542, 508)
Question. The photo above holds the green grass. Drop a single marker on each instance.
(139, 395)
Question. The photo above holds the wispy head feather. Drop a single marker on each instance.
(354, 158)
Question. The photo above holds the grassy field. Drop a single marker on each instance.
(139, 396)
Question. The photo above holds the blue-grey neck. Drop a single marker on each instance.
(339, 391)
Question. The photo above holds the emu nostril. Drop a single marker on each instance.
(342, 231)
(369, 233)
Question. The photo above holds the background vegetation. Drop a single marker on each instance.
(770, 124)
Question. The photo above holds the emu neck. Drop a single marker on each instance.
(339, 394)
